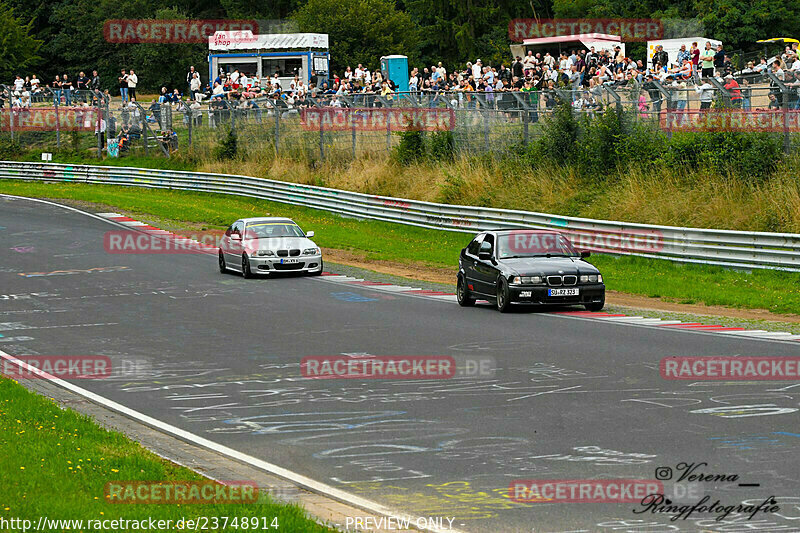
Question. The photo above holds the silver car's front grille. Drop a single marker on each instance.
(570, 280)
(294, 252)
(554, 281)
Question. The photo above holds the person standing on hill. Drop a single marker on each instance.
(122, 80)
(133, 79)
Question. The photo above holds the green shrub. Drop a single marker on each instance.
(442, 145)
(753, 156)
(559, 135)
(10, 149)
(228, 147)
(450, 190)
(411, 147)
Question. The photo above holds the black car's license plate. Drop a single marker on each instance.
(562, 292)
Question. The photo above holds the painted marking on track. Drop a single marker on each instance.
(352, 297)
(119, 220)
(298, 479)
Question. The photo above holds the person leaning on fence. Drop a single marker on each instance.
(706, 92)
(733, 88)
(707, 60)
(66, 89)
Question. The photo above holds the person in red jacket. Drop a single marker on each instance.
(736, 94)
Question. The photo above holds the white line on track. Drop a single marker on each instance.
(298, 479)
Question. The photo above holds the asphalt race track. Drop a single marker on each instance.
(220, 356)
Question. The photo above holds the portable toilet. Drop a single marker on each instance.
(395, 68)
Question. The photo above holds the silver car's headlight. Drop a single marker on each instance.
(311, 251)
(266, 252)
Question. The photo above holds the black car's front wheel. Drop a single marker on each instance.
(596, 306)
(503, 296)
(462, 293)
(246, 272)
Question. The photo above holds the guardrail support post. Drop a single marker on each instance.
(486, 128)
(322, 140)
(354, 139)
(787, 141)
(277, 129)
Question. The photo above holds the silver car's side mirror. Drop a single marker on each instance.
(236, 237)
(310, 234)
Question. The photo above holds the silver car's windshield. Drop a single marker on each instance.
(533, 244)
(268, 230)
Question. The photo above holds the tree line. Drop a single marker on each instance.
(51, 37)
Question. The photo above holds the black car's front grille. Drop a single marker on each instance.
(294, 252)
(554, 281)
(288, 266)
(570, 280)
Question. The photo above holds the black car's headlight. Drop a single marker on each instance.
(311, 251)
(525, 280)
(591, 278)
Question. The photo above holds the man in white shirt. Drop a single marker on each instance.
(367, 76)
(359, 72)
(442, 71)
(477, 69)
(133, 79)
(794, 63)
(18, 84)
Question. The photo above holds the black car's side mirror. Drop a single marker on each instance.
(484, 256)
(585, 254)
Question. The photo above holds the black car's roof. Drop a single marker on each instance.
(527, 230)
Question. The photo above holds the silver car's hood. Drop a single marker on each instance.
(280, 243)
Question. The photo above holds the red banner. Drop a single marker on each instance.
(377, 119)
(49, 119)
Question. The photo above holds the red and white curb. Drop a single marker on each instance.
(608, 317)
(152, 230)
(450, 297)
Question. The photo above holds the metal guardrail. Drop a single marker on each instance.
(739, 249)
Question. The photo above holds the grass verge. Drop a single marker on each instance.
(760, 289)
(56, 464)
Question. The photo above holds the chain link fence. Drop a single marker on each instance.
(482, 122)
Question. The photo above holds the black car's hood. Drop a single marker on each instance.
(526, 266)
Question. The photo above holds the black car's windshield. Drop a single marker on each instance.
(533, 244)
(267, 230)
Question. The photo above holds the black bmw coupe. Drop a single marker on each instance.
(537, 267)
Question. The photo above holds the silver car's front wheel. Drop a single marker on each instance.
(246, 273)
(222, 267)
